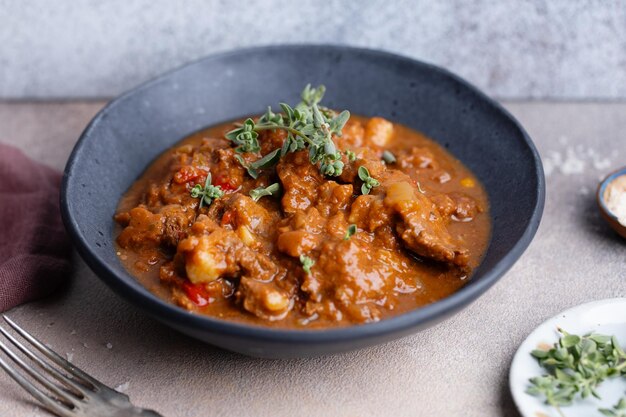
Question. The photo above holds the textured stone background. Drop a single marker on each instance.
(533, 49)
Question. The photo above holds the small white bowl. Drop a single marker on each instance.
(604, 317)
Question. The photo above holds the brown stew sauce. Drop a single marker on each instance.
(420, 233)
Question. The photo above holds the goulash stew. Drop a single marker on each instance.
(307, 218)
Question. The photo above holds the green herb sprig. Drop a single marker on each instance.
(307, 263)
(259, 192)
(253, 172)
(368, 181)
(618, 410)
(266, 162)
(308, 125)
(246, 137)
(575, 366)
(208, 193)
(388, 157)
(350, 232)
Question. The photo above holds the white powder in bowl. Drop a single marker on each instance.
(615, 198)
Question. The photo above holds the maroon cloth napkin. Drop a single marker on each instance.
(34, 249)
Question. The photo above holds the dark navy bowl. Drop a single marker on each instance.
(135, 128)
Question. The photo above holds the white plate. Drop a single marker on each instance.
(605, 317)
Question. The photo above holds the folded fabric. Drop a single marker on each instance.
(34, 249)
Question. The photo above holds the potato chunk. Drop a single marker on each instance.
(378, 131)
(208, 260)
(212, 252)
(246, 236)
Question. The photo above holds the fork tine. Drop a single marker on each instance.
(52, 355)
(79, 389)
(47, 402)
(37, 376)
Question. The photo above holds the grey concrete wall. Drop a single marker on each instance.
(513, 49)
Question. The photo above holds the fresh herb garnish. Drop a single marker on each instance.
(350, 232)
(257, 193)
(307, 263)
(368, 181)
(246, 137)
(208, 193)
(351, 155)
(575, 366)
(308, 125)
(389, 158)
(254, 173)
(618, 410)
(268, 161)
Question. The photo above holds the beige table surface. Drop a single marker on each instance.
(458, 368)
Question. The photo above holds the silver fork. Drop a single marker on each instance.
(78, 395)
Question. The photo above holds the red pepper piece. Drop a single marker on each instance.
(228, 217)
(226, 183)
(197, 293)
(186, 174)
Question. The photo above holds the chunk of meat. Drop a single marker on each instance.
(310, 220)
(374, 165)
(364, 276)
(271, 139)
(301, 233)
(364, 156)
(369, 213)
(297, 242)
(465, 206)
(444, 204)
(212, 252)
(264, 299)
(336, 226)
(418, 157)
(145, 229)
(334, 198)
(248, 213)
(457, 206)
(252, 223)
(205, 154)
(300, 181)
(422, 228)
(177, 220)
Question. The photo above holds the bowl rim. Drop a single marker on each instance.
(143, 298)
(602, 188)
